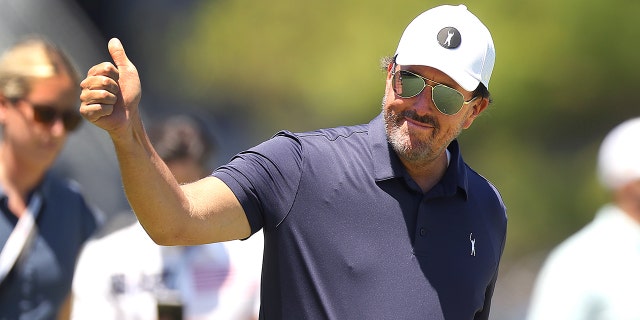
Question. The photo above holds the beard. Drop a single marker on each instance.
(410, 147)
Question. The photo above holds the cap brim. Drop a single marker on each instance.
(464, 79)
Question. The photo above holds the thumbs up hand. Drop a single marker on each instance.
(111, 93)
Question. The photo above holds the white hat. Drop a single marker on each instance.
(619, 158)
(452, 40)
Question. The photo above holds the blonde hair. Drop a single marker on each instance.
(29, 59)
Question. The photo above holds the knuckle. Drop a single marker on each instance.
(105, 95)
(91, 96)
(93, 112)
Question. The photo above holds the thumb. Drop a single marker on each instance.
(117, 53)
(127, 75)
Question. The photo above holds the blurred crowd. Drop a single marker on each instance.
(119, 272)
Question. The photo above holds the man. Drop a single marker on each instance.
(378, 221)
(594, 273)
(124, 275)
(44, 220)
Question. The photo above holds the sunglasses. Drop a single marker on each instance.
(48, 115)
(447, 100)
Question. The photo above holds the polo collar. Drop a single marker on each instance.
(386, 164)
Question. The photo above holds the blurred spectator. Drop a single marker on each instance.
(125, 275)
(595, 274)
(88, 156)
(44, 220)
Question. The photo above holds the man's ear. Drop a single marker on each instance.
(389, 69)
(476, 109)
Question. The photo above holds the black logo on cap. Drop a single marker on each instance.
(449, 38)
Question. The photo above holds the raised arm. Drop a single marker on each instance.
(200, 212)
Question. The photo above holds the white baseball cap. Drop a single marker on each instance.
(619, 157)
(452, 40)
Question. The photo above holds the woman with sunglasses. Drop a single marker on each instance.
(44, 219)
(382, 220)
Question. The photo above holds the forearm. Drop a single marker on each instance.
(153, 193)
(200, 212)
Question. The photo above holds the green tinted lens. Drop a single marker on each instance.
(410, 84)
(447, 100)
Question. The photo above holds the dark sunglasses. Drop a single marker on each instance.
(447, 100)
(48, 115)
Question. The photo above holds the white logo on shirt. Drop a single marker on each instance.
(473, 244)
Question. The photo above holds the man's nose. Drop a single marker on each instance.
(423, 103)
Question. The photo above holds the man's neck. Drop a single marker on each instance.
(427, 174)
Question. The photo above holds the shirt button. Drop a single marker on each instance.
(423, 232)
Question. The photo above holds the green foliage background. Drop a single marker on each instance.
(566, 73)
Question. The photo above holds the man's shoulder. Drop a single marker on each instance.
(486, 196)
(479, 181)
(328, 135)
(322, 140)
(335, 133)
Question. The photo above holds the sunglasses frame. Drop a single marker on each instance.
(48, 115)
(426, 84)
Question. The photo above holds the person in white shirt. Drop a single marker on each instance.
(595, 273)
(125, 275)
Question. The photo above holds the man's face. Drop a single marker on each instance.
(416, 129)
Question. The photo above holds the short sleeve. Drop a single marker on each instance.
(265, 179)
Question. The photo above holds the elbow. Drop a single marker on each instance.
(161, 240)
(163, 236)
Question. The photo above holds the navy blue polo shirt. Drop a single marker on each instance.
(349, 234)
(41, 279)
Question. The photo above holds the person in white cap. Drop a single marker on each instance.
(594, 274)
(382, 220)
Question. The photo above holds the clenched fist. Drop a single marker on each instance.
(111, 92)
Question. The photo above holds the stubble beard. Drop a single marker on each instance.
(411, 149)
(418, 150)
